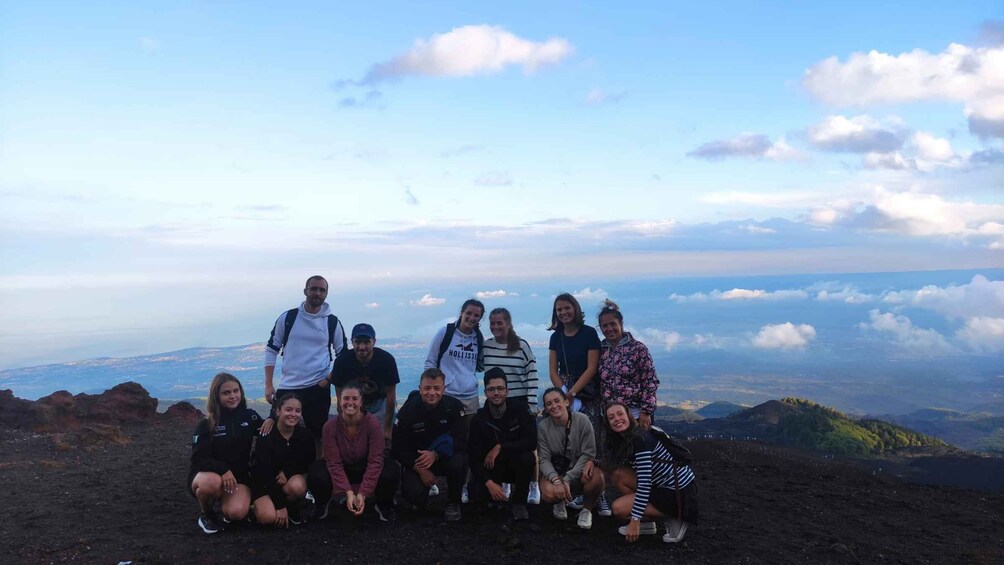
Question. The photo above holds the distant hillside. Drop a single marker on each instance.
(676, 414)
(720, 409)
(978, 432)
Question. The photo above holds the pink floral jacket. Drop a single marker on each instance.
(627, 375)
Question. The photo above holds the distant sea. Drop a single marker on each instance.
(703, 340)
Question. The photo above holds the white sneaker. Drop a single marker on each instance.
(585, 520)
(603, 507)
(434, 490)
(559, 510)
(674, 530)
(646, 529)
(463, 495)
(534, 496)
(310, 497)
(507, 490)
(577, 503)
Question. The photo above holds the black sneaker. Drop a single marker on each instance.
(294, 514)
(210, 522)
(385, 511)
(452, 513)
(320, 510)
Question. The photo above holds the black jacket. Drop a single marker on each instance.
(515, 431)
(273, 454)
(228, 446)
(417, 426)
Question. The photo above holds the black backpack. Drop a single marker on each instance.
(681, 455)
(332, 326)
(444, 345)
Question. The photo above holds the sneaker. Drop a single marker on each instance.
(577, 503)
(507, 490)
(209, 522)
(385, 511)
(310, 497)
(534, 496)
(603, 506)
(585, 520)
(519, 512)
(674, 530)
(434, 490)
(321, 511)
(452, 513)
(294, 514)
(464, 496)
(226, 520)
(646, 529)
(559, 510)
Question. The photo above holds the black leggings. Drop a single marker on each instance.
(455, 469)
(516, 470)
(320, 484)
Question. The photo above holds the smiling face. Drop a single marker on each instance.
(499, 327)
(556, 405)
(618, 418)
(565, 311)
(350, 401)
(431, 390)
(289, 412)
(363, 347)
(470, 318)
(612, 328)
(230, 395)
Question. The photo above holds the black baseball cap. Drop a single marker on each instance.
(363, 330)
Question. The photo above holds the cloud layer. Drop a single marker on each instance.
(784, 336)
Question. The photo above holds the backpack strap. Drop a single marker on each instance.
(479, 365)
(288, 326)
(332, 327)
(444, 345)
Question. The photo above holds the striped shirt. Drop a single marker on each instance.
(653, 468)
(520, 369)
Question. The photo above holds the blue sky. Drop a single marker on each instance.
(181, 165)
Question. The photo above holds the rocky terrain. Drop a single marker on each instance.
(100, 479)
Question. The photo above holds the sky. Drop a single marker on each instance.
(171, 172)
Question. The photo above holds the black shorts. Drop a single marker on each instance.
(664, 500)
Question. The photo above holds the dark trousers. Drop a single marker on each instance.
(319, 481)
(516, 470)
(316, 403)
(455, 470)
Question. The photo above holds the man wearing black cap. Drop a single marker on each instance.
(376, 372)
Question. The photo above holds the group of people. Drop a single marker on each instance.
(594, 435)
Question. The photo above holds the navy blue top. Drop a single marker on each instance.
(576, 349)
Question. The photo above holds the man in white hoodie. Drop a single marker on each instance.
(308, 337)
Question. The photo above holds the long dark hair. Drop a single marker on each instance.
(558, 390)
(578, 316)
(619, 447)
(511, 340)
(213, 407)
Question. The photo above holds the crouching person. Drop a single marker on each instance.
(503, 437)
(566, 446)
(281, 460)
(430, 441)
(354, 463)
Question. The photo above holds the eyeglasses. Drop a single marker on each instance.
(493, 389)
(320, 289)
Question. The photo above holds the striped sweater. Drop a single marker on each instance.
(520, 369)
(653, 468)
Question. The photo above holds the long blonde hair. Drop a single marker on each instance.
(213, 402)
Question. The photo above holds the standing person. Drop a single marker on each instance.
(221, 448)
(567, 450)
(374, 370)
(457, 351)
(354, 461)
(503, 437)
(281, 460)
(430, 440)
(574, 360)
(306, 337)
(655, 486)
(627, 372)
(513, 355)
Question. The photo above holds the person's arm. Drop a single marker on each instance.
(272, 348)
(530, 375)
(202, 451)
(544, 456)
(643, 476)
(374, 459)
(648, 380)
(432, 357)
(582, 435)
(333, 458)
(592, 364)
(553, 369)
(338, 340)
(402, 447)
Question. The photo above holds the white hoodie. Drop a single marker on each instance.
(306, 359)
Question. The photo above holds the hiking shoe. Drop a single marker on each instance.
(464, 497)
(294, 514)
(507, 490)
(577, 503)
(434, 490)
(452, 513)
(674, 530)
(646, 529)
(209, 522)
(585, 519)
(559, 510)
(534, 496)
(321, 510)
(519, 512)
(603, 507)
(385, 511)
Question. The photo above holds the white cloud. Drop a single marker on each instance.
(493, 294)
(963, 74)
(469, 51)
(597, 97)
(860, 134)
(428, 300)
(494, 178)
(746, 145)
(765, 199)
(755, 229)
(740, 294)
(707, 341)
(589, 295)
(667, 339)
(784, 336)
(927, 152)
(372, 305)
(847, 295)
(894, 161)
(932, 148)
(983, 333)
(980, 297)
(905, 334)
